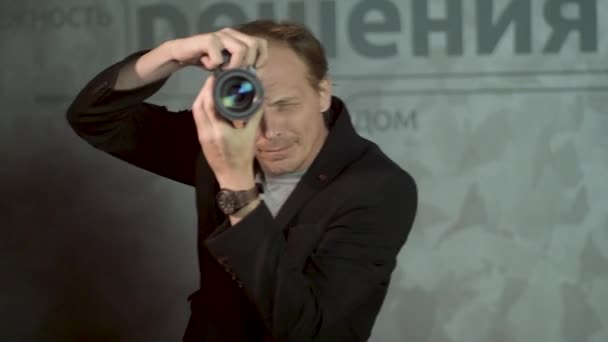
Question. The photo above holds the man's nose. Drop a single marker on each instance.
(271, 127)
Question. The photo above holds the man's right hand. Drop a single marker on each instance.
(203, 50)
(206, 49)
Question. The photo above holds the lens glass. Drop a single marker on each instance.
(237, 94)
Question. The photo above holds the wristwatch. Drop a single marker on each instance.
(230, 201)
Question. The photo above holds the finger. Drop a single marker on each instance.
(209, 102)
(262, 52)
(215, 120)
(254, 122)
(199, 110)
(213, 54)
(257, 44)
(253, 45)
(237, 49)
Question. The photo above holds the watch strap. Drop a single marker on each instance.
(239, 199)
(245, 197)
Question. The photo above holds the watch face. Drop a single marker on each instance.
(226, 201)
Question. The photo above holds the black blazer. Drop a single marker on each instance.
(319, 271)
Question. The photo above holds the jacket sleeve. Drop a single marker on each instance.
(143, 134)
(354, 258)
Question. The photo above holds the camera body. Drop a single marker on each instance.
(237, 93)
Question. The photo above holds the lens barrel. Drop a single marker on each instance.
(237, 93)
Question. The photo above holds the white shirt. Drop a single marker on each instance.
(278, 188)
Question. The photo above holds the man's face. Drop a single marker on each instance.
(292, 129)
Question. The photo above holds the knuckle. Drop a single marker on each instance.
(252, 44)
(206, 38)
(242, 45)
(214, 38)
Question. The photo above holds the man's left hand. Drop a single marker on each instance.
(229, 151)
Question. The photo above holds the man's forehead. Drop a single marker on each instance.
(282, 88)
(280, 73)
(282, 61)
(283, 73)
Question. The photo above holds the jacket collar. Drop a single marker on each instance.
(341, 147)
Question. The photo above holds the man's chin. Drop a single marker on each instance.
(275, 167)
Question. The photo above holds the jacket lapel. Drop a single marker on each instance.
(342, 146)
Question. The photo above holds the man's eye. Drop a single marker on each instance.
(284, 105)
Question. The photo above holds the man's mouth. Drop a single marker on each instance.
(274, 150)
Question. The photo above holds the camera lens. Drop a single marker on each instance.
(237, 94)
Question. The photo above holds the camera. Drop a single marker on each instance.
(237, 93)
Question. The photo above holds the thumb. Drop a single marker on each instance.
(254, 121)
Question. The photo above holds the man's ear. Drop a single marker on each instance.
(325, 93)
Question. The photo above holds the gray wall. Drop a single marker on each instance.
(504, 131)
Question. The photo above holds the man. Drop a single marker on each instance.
(309, 259)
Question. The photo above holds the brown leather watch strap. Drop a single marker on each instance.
(245, 197)
(230, 201)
